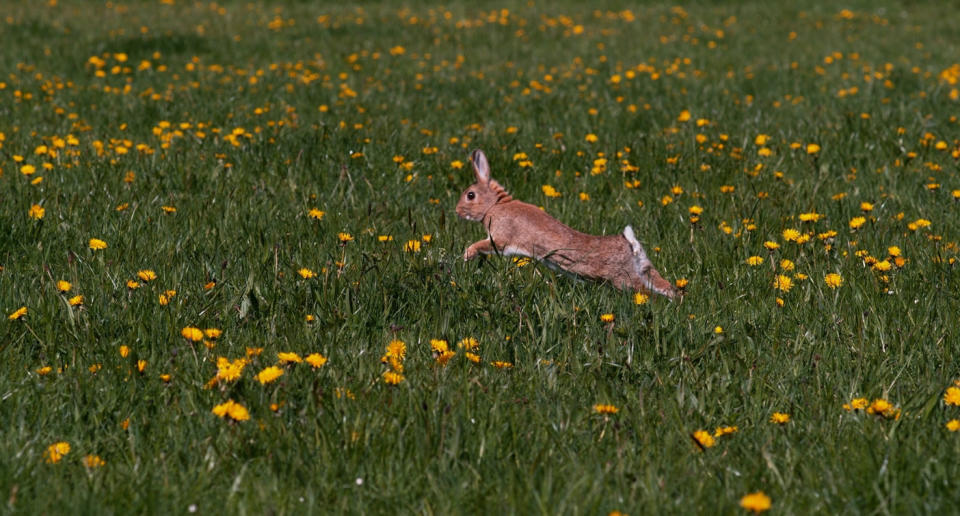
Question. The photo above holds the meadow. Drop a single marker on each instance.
(231, 274)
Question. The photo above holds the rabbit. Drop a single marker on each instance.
(518, 228)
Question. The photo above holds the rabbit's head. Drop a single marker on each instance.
(479, 197)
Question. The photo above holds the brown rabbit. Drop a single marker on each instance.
(518, 228)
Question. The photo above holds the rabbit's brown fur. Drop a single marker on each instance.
(518, 228)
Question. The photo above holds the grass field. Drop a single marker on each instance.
(232, 277)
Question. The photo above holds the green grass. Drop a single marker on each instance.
(340, 91)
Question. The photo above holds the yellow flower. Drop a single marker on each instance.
(93, 462)
(228, 370)
(786, 265)
(316, 360)
(168, 209)
(499, 364)
(64, 286)
(810, 217)
(96, 244)
(314, 213)
(18, 313)
(45, 370)
(445, 357)
(856, 404)
(753, 261)
(883, 408)
(344, 237)
(133, 285)
(684, 116)
(124, 351)
(192, 334)
(36, 212)
(56, 451)
(141, 365)
(75, 300)
(601, 408)
(761, 140)
(718, 330)
(725, 430)
(812, 148)
(550, 191)
(866, 207)
(269, 374)
(473, 357)
(755, 502)
(146, 275)
(289, 358)
(232, 410)
(783, 283)
(833, 280)
(468, 343)
(392, 378)
(857, 222)
(396, 350)
(412, 246)
(953, 425)
(212, 333)
(456, 164)
(771, 245)
(790, 235)
(780, 418)
(703, 439)
(439, 346)
(590, 138)
(607, 318)
(952, 396)
(882, 266)
(681, 283)
(640, 298)
(306, 273)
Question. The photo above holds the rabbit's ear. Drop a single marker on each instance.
(480, 166)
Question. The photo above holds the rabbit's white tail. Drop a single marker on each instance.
(649, 276)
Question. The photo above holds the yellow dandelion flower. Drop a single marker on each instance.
(396, 349)
(141, 366)
(445, 357)
(866, 207)
(269, 374)
(192, 334)
(857, 222)
(590, 138)
(783, 283)
(412, 246)
(787, 265)
(344, 237)
(607, 318)
(810, 217)
(36, 212)
(771, 245)
(306, 273)
(473, 357)
(718, 330)
(124, 351)
(315, 213)
(780, 418)
(18, 313)
(96, 244)
(725, 430)
(45, 370)
(813, 148)
(392, 378)
(756, 502)
(316, 360)
(953, 425)
(703, 439)
(289, 358)
(64, 286)
(93, 462)
(231, 409)
(146, 275)
(468, 343)
(212, 333)
(754, 261)
(640, 298)
(56, 451)
(791, 235)
(76, 300)
(133, 285)
(499, 364)
(882, 266)
(605, 409)
(168, 209)
(833, 280)
(952, 396)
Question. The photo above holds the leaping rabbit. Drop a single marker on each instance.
(518, 228)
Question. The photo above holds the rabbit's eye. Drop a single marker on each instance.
(471, 196)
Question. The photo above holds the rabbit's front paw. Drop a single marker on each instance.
(469, 254)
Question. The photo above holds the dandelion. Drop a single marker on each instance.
(344, 237)
(36, 212)
(468, 343)
(607, 318)
(754, 261)
(601, 408)
(64, 286)
(771, 245)
(783, 283)
(192, 334)
(18, 313)
(439, 346)
(133, 285)
(499, 364)
(93, 462)
(412, 246)
(269, 374)
(212, 333)
(392, 378)
(703, 439)
(396, 349)
(44, 371)
(289, 358)
(590, 138)
(718, 330)
(76, 300)
(866, 207)
(953, 425)
(856, 404)
(316, 360)
(56, 451)
(316, 214)
(96, 244)
(833, 280)
(791, 235)
(146, 275)
(725, 430)
(810, 217)
(473, 357)
(787, 265)
(780, 418)
(231, 409)
(306, 273)
(640, 298)
(681, 283)
(882, 407)
(812, 148)
(456, 164)
(755, 502)
(882, 266)
(857, 222)
(952, 396)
